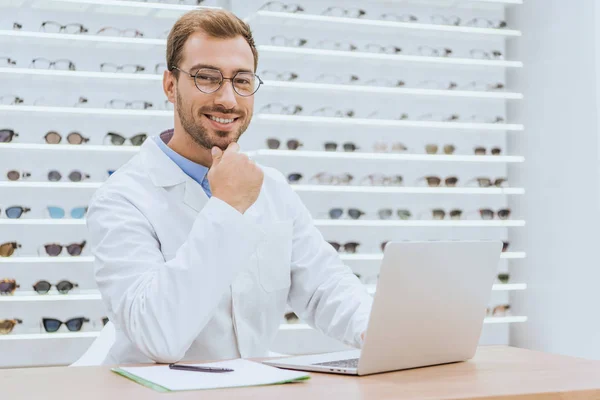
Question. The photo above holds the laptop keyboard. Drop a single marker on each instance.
(352, 363)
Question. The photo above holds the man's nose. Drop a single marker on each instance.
(226, 95)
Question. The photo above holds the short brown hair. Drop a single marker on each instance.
(218, 24)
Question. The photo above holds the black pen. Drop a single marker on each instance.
(199, 369)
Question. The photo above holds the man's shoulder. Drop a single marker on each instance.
(125, 181)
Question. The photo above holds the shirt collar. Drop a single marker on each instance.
(194, 170)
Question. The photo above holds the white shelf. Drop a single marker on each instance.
(68, 147)
(299, 19)
(371, 289)
(48, 221)
(385, 156)
(420, 223)
(53, 74)
(404, 190)
(56, 335)
(50, 185)
(86, 111)
(374, 122)
(70, 39)
(46, 260)
(34, 297)
(379, 257)
(151, 8)
(362, 89)
(294, 52)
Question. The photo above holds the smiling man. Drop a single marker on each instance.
(198, 249)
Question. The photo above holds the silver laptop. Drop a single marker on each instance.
(428, 309)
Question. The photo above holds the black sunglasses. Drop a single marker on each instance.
(7, 135)
(73, 324)
(63, 287)
(74, 249)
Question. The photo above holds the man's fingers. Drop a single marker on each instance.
(233, 147)
(217, 154)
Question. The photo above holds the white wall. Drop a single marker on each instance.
(560, 112)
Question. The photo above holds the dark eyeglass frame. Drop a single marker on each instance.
(74, 249)
(82, 29)
(7, 135)
(74, 176)
(63, 287)
(69, 323)
(223, 79)
(353, 213)
(20, 211)
(136, 140)
(52, 64)
(349, 248)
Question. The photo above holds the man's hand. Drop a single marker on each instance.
(234, 178)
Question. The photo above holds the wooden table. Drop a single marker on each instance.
(496, 372)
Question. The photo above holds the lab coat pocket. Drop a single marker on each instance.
(274, 256)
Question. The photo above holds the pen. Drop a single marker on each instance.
(199, 369)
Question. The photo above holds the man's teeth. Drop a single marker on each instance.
(221, 120)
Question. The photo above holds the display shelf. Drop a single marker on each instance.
(419, 223)
(67, 147)
(371, 289)
(47, 260)
(50, 185)
(65, 39)
(404, 190)
(123, 7)
(379, 257)
(90, 295)
(86, 111)
(38, 222)
(50, 74)
(57, 335)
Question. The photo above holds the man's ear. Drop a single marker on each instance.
(170, 86)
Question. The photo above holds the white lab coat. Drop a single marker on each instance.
(185, 277)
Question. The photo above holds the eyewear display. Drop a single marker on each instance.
(55, 27)
(104, 321)
(381, 147)
(110, 31)
(73, 325)
(382, 180)
(8, 249)
(281, 7)
(349, 247)
(74, 176)
(16, 212)
(481, 151)
(489, 55)
(7, 325)
(439, 214)
(10, 100)
(294, 177)
(208, 80)
(503, 277)
(325, 178)
(437, 85)
(7, 62)
(281, 40)
(344, 12)
(63, 287)
(14, 175)
(278, 108)
(435, 181)
(337, 213)
(335, 79)
(116, 139)
(486, 23)
(348, 147)
(483, 86)
(7, 135)
(443, 20)
(488, 214)
(384, 82)
(487, 182)
(398, 18)
(331, 112)
(126, 68)
(74, 249)
(334, 45)
(291, 318)
(292, 144)
(57, 102)
(438, 117)
(59, 212)
(387, 213)
(377, 48)
(505, 246)
(134, 105)
(279, 76)
(54, 137)
(498, 311)
(433, 149)
(8, 286)
(62, 65)
(434, 51)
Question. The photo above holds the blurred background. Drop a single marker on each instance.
(393, 120)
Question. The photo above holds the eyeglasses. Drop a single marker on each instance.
(331, 112)
(294, 177)
(278, 108)
(208, 80)
(332, 146)
(63, 287)
(325, 178)
(382, 180)
(434, 181)
(8, 286)
(337, 213)
(8, 249)
(54, 137)
(17, 26)
(486, 23)
(74, 249)
(292, 144)
(7, 135)
(14, 175)
(505, 246)
(480, 151)
(43, 63)
(104, 321)
(281, 7)
(433, 149)
(279, 76)
(376, 48)
(73, 325)
(399, 18)
(442, 20)
(134, 105)
(498, 311)
(439, 214)
(10, 100)
(434, 51)
(74, 176)
(503, 277)
(7, 325)
(349, 247)
(438, 117)
(437, 85)
(55, 27)
(490, 55)
(110, 31)
(281, 40)
(59, 212)
(488, 214)
(384, 82)
(126, 68)
(382, 147)
(16, 212)
(7, 62)
(487, 182)
(291, 318)
(335, 79)
(387, 213)
(116, 139)
(334, 45)
(483, 86)
(344, 12)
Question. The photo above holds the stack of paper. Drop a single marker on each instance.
(246, 373)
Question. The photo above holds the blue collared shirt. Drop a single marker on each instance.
(195, 171)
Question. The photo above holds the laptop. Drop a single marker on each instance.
(428, 309)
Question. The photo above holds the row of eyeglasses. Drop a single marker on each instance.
(325, 178)
(64, 64)
(405, 214)
(13, 100)
(7, 249)
(54, 137)
(54, 212)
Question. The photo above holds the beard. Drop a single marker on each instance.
(192, 124)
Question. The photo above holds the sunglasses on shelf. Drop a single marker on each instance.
(63, 287)
(429, 51)
(7, 62)
(74, 249)
(498, 311)
(54, 137)
(132, 105)
(382, 180)
(436, 117)
(349, 247)
(294, 177)
(292, 144)
(125, 68)
(481, 151)
(324, 178)
(11, 100)
(487, 55)
(398, 18)
(55, 27)
(332, 146)
(503, 277)
(378, 48)
(437, 85)
(43, 63)
(337, 213)
(7, 249)
(436, 181)
(443, 20)
(433, 149)
(74, 176)
(486, 23)
(439, 214)
(505, 246)
(291, 318)
(16, 211)
(382, 147)
(7, 135)
(104, 321)
(73, 324)
(59, 212)
(14, 175)
(387, 213)
(483, 86)
(116, 139)
(488, 214)
(7, 325)
(8, 286)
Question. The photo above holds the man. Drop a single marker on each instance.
(198, 249)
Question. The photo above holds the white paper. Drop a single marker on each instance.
(246, 373)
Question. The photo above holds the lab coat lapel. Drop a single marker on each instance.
(194, 195)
